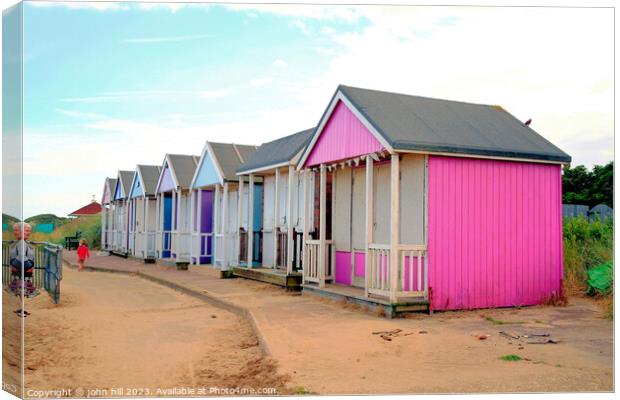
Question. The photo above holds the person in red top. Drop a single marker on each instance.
(83, 254)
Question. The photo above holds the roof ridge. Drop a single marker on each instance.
(238, 153)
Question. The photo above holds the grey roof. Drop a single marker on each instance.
(279, 151)
(150, 176)
(111, 185)
(183, 167)
(227, 156)
(126, 178)
(420, 123)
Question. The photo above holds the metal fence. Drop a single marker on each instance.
(47, 267)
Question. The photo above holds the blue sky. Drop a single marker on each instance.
(110, 85)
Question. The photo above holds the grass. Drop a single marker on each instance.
(300, 390)
(586, 245)
(500, 322)
(511, 357)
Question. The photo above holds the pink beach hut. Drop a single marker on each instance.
(432, 203)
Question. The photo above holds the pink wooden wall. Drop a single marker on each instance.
(494, 232)
(343, 136)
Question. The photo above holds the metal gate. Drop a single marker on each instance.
(47, 267)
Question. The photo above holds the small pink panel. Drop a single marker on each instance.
(360, 264)
(343, 136)
(343, 267)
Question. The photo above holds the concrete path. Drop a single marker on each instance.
(329, 347)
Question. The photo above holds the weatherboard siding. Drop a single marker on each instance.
(167, 182)
(495, 232)
(207, 173)
(343, 136)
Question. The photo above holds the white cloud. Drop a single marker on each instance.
(216, 94)
(259, 82)
(129, 95)
(79, 114)
(560, 76)
(301, 25)
(280, 63)
(165, 39)
(81, 5)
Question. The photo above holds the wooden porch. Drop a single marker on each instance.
(290, 281)
(394, 275)
(357, 296)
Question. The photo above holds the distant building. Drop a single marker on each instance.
(574, 211)
(91, 209)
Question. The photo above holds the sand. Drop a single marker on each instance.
(117, 335)
(336, 352)
(118, 331)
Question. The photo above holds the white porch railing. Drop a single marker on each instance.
(132, 242)
(412, 275)
(181, 245)
(148, 243)
(200, 246)
(164, 243)
(311, 270)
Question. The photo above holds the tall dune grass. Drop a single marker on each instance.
(586, 245)
(89, 228)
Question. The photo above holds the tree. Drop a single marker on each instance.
(580, 186)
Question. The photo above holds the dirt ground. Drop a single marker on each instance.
(455, 352)
(118, 332)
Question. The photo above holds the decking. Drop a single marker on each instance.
(355, 295)
(279, 277)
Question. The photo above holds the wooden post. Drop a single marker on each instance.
(394, 225)
(240, 211)
(192, 224)
(157, 225)
(322, 227)
(103, 226)
(225, 261)
(289, 221)
(145, 228)
(304, 264)
(276, 217)
(251, 221)
(215, 225)
(199, 196)
(369, 219)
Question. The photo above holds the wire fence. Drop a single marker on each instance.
(47, 267)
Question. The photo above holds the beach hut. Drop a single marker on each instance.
(107, 214)
(120, 239)
(142, 219)
(173, 208)
(215, 204)
(424, 202)
(282, 223)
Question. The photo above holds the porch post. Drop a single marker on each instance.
(215, 224)
(304, 264)
(276, 217)
(225, 261)
(192, 223)
(145, 228)
(322, 227)
(369, 220)
(239, 217)
(157, 224)
(289, 221)
(394, 225)
(198, 219)
(251, 221)
(103, 226)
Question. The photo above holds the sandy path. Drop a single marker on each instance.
(336, 352)
(117, 331)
